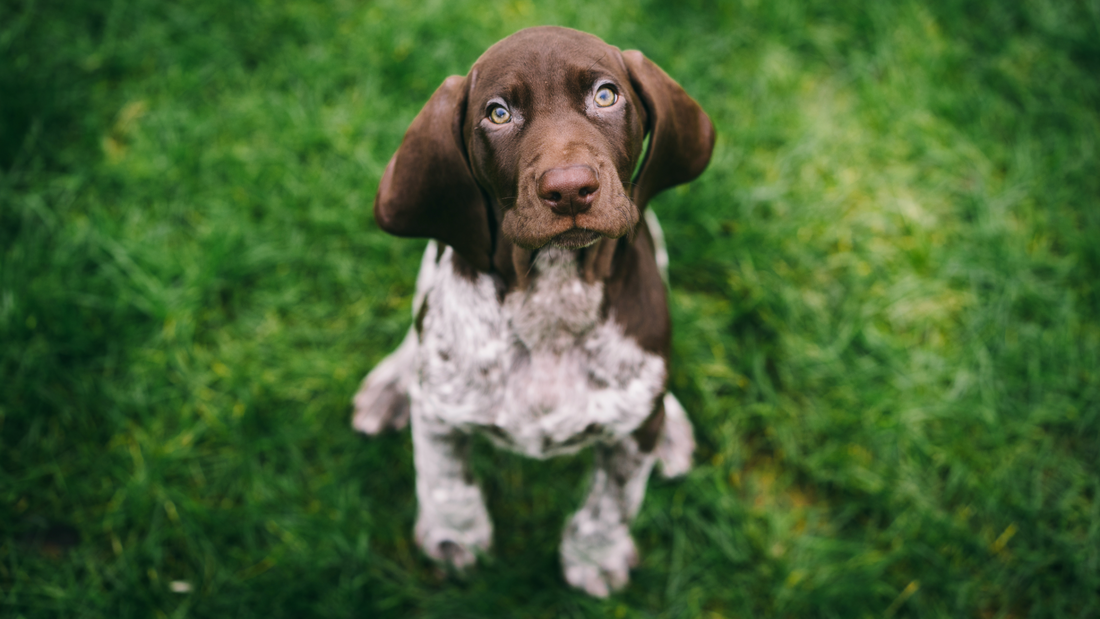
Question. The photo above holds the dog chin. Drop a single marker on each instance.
(575, 238)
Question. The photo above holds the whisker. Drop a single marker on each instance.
(596, 61)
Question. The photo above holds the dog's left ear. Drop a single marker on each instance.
(681, 136)
(428, 190)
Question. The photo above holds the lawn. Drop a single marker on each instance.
(885, 295)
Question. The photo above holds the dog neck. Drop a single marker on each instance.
(518, 267)
(629, 281)
(557, 305)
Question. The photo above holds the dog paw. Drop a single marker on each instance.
(677, 441)
(458, 548)
(380, 407)
(382, 401)
(598, 563)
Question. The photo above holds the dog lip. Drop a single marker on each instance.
(575, 238)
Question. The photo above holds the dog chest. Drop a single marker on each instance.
(541, 373)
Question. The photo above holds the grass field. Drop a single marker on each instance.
(886, 292)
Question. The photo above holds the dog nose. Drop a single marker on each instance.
(568, 190)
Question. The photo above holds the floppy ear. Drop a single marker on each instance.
(681, 136)
(427, 189)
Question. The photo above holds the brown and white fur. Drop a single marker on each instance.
(540, 315)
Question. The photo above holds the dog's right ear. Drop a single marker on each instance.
(428, 190)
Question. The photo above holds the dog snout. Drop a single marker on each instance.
(568, 190)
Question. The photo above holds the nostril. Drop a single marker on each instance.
(568, 189)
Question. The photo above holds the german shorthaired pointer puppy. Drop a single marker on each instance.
(540, 315)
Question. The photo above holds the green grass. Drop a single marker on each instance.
(885, 303)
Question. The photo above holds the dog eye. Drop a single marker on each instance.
(606, 97)
(499, 116)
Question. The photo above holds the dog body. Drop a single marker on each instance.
(540, 317)
(540, 373)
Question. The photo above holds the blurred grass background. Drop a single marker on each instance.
(884, 292)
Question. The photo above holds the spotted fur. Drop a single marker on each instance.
(541, 373)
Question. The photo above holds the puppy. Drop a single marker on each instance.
(540, 314)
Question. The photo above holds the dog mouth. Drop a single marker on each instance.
(575, 238)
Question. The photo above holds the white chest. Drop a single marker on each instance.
(541, 373)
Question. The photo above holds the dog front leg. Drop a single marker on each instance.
(597, 551)
(453, 524)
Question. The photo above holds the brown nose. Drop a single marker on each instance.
(569, 190)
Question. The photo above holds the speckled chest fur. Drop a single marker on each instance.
(541, 373)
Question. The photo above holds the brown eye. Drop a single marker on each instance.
(499, 116)
(606, 97)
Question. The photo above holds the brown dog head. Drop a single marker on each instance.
(538, 143)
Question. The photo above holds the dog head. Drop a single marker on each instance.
(538, 143)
